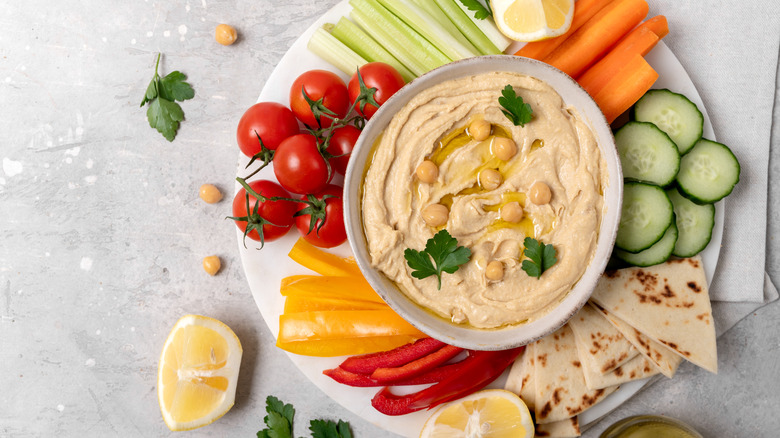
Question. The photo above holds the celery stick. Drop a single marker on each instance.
(327, 47)
(355, 38)
(383, 37)
(488, 27)
(472, 32)
(396, 32)
(429, 28)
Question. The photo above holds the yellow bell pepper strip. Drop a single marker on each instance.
(348, 288)
(294, 278)
(343, 332)
(293, 304)
(321, 262)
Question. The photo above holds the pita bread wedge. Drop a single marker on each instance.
(568, 428)
(560, 384)
(663, 358)
(637, 368)
(601, 347)
(669, 303)
(522, 377)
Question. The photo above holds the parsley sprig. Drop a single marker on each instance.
(514, 108)
(541, 256)
(279, 423)
(442, 254)
(480, 11)
(164, 113)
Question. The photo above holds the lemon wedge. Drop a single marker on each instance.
(492, 413)
(532, 20)
(198, 371)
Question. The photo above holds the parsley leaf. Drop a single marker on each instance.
(514, 108)
(164, 113)
(480, 11)
(541, 256)
(329, 429)
(446, 254)
(279, 422)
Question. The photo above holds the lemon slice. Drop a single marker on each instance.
(196, 378)
(532, 20)
(492, 413)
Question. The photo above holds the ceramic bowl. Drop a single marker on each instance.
(464, 335)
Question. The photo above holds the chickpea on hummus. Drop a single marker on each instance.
(450, 159)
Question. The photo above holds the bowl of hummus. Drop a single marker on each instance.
(482, 201)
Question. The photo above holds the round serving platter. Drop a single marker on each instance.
(264, 269)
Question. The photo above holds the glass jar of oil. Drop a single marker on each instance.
(649, 426)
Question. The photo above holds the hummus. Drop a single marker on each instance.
(556, 148)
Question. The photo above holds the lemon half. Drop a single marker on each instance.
(492, 413)
(198, 372)
(532, 20)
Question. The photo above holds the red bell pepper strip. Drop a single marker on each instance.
(478, 370)
(368, 363)
(434, 375)
(351, 379)
(426, 363)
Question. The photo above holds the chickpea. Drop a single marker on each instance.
(540, 193)
(494, 270)
(435, 215)
(210, 194)
(225, 34)
(479, 129)
(504, 148)
(512, 212)
(427, 172)
(211, 265)
(490, 179)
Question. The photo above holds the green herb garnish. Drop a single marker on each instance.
(480, 11)
(164, 113)
(446, 254)
(514, 108)
(279, 422)
(541, 256)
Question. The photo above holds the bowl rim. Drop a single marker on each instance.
(433, 325)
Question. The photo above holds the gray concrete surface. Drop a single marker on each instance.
(102, 230)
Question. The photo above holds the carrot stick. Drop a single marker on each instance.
(601, 32)
(638, 42)
(625, 88)
(583, 11)
(658, 25)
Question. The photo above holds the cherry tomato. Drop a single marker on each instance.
(319, 85)
(273, 218)
(272, 121)
(331, 232)
(299, 165)
(341, 143)
(379, 75)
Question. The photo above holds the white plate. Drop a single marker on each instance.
(265, 269)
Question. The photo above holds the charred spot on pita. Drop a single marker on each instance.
(694, 286)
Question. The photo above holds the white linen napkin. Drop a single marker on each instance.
(730, 51)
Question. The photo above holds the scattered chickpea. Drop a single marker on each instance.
(427, 172)
(435, 215)
(504, 148)
(539, 193)
(512, 212)
(210, 194)
(479, 129)
(490, 179)
(225, 34)
(211, 265)
(494, 270)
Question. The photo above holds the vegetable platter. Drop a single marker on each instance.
(265, 268)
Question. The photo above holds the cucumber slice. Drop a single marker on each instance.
(674, 114)
(694, 224)
(647, 153)
(656, 254)
(647, 213)
(708, 173)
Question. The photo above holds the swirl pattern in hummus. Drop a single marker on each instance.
(568, 161)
